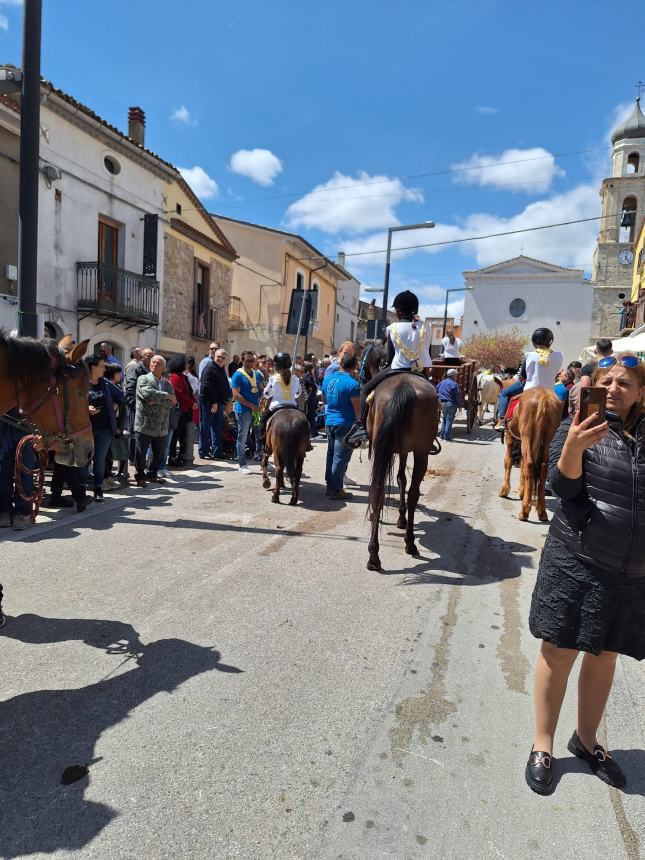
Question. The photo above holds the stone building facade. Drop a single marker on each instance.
(198, 267)
(623, 201)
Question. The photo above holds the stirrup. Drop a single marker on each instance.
(357, 435)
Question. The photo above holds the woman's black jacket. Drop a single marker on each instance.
(600, 516)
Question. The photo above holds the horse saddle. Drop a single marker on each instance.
(275, 411)
(512, 406)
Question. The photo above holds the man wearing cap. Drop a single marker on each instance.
(408, 349)
(450, 400)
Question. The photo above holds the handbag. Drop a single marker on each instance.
(119, 447)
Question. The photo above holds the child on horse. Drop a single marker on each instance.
(539, 369)
(282, 390)
(408, 349)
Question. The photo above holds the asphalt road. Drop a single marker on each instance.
(241, 686)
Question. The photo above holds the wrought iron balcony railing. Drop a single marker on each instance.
(112, 293)
(204, 322)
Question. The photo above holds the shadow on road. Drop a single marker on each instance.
(113, 637)
(43, 733)
(631, 761)
(458, 544)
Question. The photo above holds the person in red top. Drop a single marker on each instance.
(185, 403)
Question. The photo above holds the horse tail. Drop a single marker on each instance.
(290, 438)
(538, 442)
(388, 442)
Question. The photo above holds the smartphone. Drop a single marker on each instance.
(593, 400)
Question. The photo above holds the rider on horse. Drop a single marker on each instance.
(282, 390)
(408, 349)
(539, 369)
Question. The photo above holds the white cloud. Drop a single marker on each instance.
(4, 20)
(201, 183)
(486, 110)
(572, 245)
(183, 115)
(535, 166)
(260, 165)
(352, 204)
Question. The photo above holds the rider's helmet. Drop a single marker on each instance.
(282, 361)
(406, 302)
(542, 337)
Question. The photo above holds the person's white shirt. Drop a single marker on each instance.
(452, 350)
(411, 342)
(194, 383)
(542, 375)
(281, 394)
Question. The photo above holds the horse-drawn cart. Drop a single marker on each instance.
(467, 380)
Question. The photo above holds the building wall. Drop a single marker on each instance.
(69, 210)
(9, 174)
(638, 272)
(563, 306)
(347, 299)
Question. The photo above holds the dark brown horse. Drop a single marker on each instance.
(287, 439)
(403, 419)
(533, 423)
(49, 383)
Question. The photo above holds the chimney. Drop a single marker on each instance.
(340, 259)
(136, 125)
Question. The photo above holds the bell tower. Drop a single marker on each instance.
(622, 198)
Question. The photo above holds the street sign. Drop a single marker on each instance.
(295, 309)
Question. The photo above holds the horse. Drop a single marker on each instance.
(49, 383)
(534, 423)
(287, 439)
(369, 363)
(403, 419)
(488, 388)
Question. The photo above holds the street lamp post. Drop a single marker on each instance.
(445, 310)
(386, 283)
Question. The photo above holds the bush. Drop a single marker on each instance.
(503, 348)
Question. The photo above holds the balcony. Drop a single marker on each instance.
(204, 322)
(110, 293)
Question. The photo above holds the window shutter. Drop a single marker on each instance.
(150, 234)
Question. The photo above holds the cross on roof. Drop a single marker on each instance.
(640, 86)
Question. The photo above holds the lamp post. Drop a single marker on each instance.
(386, 283)
(445, 310)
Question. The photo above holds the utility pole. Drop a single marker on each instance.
(29, 171)
(386, 282)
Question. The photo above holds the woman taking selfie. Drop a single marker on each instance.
(589, 594)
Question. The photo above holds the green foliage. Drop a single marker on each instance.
(504, 348)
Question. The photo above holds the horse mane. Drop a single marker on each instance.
(28, 360)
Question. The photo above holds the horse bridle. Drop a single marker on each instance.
(51, 393)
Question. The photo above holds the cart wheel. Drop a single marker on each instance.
(471, 406)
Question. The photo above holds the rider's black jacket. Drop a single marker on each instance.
(600, 516)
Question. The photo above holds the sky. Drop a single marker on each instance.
(339, 120)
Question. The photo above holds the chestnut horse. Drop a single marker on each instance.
(49, 383)
(533, 423)
(287, 439)
(403, 419)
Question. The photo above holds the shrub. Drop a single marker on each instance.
(504, 348)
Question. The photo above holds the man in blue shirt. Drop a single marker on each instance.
(450, 400)
(343, 397)
(246, 393)
(347, 347)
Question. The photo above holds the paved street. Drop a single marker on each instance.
(287, 703)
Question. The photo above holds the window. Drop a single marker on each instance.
(201, 314)
(112, 165)
(300, 281)
(314, 301)
(633, 162)
(627, 220)
(517, 308)
(351, 330)
(178, 208)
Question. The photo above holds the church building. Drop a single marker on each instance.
(623, 204)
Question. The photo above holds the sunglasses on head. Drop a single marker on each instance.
(626, 361)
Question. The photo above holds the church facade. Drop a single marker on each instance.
(526, 294)
(623, 207)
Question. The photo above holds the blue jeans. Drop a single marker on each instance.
(505, 396)
(244, 421)
(217, 423)
(10, 501)
(102, 442)
(166, 450)
(338, 456)
(210, 429)
(448, 412)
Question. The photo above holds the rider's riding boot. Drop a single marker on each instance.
(357, 435)
(501, 425)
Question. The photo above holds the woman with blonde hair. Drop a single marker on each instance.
(589, 594)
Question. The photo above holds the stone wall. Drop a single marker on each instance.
(605, 311)
(179, 294)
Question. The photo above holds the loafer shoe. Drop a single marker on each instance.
(539, 772)
(600, 762)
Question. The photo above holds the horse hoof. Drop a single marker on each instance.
(293, 502)
(412, 550)
(401, 524)
(503, 495)
(374, 565)
(266, 483)
(523, 518)
(544, 518)
(275, 499)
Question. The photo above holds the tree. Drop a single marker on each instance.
(503, 348)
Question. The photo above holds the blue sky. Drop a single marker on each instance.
(327, 118)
